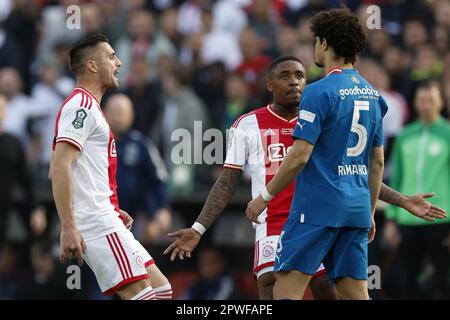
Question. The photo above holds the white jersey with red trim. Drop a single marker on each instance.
(258, 142)
(81, 123)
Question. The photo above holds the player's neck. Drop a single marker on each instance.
(96, 90)
(428, 121)
(331, 64)
(287, 112)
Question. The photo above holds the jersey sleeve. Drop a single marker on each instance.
(378, 139)
(312, 113)
(75, 124)
(237, 149)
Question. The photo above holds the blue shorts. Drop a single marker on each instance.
(342, 250)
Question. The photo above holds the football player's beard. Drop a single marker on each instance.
(109, 82)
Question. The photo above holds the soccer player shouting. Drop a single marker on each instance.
(83, 174)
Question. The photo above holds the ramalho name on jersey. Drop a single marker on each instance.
(341, 115)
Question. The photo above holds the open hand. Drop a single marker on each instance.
(187, 240)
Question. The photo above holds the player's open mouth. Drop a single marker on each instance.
(116, 73)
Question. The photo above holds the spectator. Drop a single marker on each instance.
(145, 94)
(237, 102)
(209, 85)
(190, 16)
(441, 41)
(46, 98)
(48, 279)
(427, 141)
(22, 23)
(397, 113)
(92, 19)
(442, 13)
(229, 16)
(425, 65)
(218, 45)
(305, 52)
(18, 108)
(181, 108)
(190, 51)
(414, 35)
(116, 17)
(396, 63)
(11, 54)
(286, 41)
(142, 40)
(304, 34)
(14, 174)
(141, 174)
(262, 19)
(168, 25)
(378, 42)
(10, 273)
(215, 282)
(54, 29)
(255, 63)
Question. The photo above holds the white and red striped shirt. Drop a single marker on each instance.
(81, 123)
(258, 142)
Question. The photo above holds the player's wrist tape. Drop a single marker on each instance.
(199, 228)
(266, 195)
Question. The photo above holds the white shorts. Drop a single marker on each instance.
(117, 259)
(265, 251)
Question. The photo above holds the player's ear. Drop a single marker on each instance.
(92, 66)
(269, 84)
(324, 44)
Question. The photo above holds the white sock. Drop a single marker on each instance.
(163, 292)
(146, 294)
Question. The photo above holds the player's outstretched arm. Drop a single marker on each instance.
(292, 164)
(375, 181)
(416, 205)
(72, 243)
(218, 198)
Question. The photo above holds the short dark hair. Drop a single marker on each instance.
(77, 53)
(342, 31)
(428, 84)
(279, 60)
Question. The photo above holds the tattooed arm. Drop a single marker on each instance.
(416, 204)
(218, 198)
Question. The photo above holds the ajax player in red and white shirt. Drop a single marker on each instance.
(258, 142)
(83, 174)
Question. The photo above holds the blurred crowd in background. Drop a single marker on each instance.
(198, 60)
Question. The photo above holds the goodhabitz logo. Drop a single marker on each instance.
(357, 91)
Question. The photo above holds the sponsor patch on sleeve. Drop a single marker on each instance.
(80, 116)
(307, 116)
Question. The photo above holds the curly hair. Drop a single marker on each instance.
(342, 31)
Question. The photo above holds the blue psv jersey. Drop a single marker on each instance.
(341, 115)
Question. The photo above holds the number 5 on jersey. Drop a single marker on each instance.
(359, 129)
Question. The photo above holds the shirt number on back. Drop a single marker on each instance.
(359, 129)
